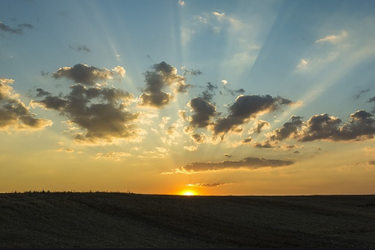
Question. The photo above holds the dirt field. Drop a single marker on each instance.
(115, 220)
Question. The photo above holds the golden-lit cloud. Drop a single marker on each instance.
(14, 114)
(115, 156)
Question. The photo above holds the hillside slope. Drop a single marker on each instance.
(118, 220)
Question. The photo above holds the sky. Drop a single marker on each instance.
(223, 97)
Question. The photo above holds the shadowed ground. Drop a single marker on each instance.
(118, 220)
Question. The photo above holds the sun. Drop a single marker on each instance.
(188, 193)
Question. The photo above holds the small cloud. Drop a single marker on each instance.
(228, 155)
(303, 63)
(191, 148)
(218, 14)
(80, 48)
(333, 38)
(224, 82)
(181, 3)
(115, 156)
(361, 93)
(208, 185)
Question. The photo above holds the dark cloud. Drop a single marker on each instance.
(101, 111)
(80, 48)
(361, 93)
(247, 163)
(88, 75)
(287, 130)
(228, 155)
(14, 113)
(162, 75)
(41, 92)
(203, 112)
(360, 126)
(191, 72)
(372, 99)
(247, 140)
(246, 107)
(197, 138)
(18, 30)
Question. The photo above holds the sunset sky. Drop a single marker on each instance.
(221, 97)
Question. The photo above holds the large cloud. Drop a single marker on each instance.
(360, 126)
(101, 111)
(246, 163)
(161, 76)
(246, 107)
(14, 113)
(88, 75)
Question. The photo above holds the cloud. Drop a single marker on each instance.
(191, 148)
(192, 72)
(161, 76)
(259, 125)
(303, 63)
(18, 30)
(247, 163)
(372, 99)
(361, 93)
(224, 82)
(80, 48)
(13, 112)
(181, 3)
(115, 156)
(197, 138)
(360, 126)
(333, 38)
(246, 107)
(88, 75)
(208, 185)
(233, 92)
(203, 112)
(101, 111)
(288, 130)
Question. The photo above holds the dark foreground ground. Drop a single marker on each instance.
(115, 220)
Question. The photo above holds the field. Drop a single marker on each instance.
(125, 220)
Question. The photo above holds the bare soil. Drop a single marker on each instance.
(120, 220)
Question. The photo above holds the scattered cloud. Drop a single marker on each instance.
(181, 3)
(18, 30)
(115, 156)
(80, 48)
(361, 93)
(191, 148)
(224, 82)
(88, 75)
(14, 114)
(247, 163)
